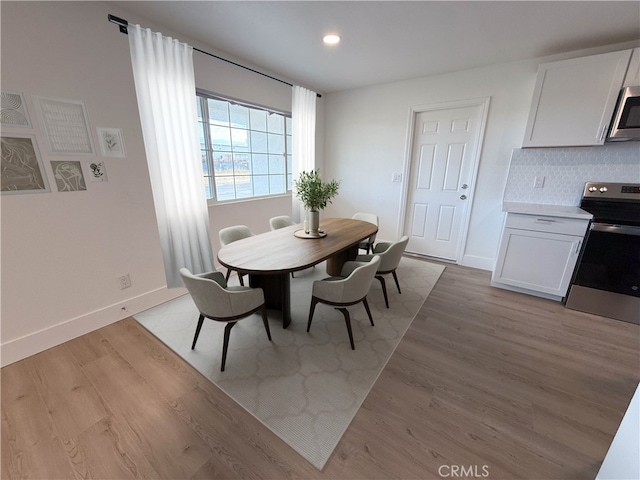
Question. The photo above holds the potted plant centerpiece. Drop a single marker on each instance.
(314, 195)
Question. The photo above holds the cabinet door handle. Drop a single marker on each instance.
(545, 220)
(578, 244)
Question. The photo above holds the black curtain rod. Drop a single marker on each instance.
(123, 25)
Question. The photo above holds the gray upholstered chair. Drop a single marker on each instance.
(233, 234)
(215, 300)
(349, 288)
(390, 255)
(371, 218)
(280, 222)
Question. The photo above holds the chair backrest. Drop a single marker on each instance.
(368, 217)
(280, 222)
(358, 283)
(232, 234)
(390, 258)
(210, 297)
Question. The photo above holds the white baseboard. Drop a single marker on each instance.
(49, 337)
(483, 263)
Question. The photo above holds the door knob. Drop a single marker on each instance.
(465, 186)
(463, 197)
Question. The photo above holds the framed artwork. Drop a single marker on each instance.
(111, 142)
(97, 171)
(13, 110)
(68, 175)
(21, 169)
(66, 126)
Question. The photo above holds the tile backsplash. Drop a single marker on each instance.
(566, 170)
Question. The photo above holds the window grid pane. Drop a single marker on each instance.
(246, 152)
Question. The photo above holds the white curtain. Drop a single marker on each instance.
(166, 91)
(303, 119)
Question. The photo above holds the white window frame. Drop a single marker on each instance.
(207, 150)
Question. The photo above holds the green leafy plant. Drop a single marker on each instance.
(313, 192)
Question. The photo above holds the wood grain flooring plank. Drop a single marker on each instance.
(30, 446)
(264, 454)
(87, 348)
(172, 449)
(578, 435)
(72, 401)
(418, 444)
(106, 450)
(503, 445)
(486, 363)
(167, 372)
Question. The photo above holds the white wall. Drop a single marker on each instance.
(366, 131)
(366, 138)
(61, 252)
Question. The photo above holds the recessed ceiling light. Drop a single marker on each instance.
(331, 38)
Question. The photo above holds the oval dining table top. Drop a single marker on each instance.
(280, 251)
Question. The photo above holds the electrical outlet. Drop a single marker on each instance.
(124, 281)
(538, 182)
(396, 177)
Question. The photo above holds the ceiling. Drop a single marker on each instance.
(385, 41)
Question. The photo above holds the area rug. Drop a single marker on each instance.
(305, 387)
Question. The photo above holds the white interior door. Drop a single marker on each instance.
(444, 152)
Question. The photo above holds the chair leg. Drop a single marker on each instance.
(265, 321)
(347, 320)
(225, 345)
(395, 277)
(366, 307)
(195, 339)
(384, 289)
(312, 308)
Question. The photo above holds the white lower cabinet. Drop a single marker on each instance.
(538, 254)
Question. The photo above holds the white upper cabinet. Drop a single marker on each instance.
(573, 100)
(633, 74)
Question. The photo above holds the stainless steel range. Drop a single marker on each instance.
(607, 278)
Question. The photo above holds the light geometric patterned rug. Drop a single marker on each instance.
(305, 387)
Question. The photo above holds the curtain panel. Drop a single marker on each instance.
(303, 120)
(165, 87)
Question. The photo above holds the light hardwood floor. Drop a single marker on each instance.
(496, 382)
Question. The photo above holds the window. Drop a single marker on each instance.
(245, 149)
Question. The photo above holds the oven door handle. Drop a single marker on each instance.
(609, 228)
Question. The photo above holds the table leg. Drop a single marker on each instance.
(335, 263)
(277, 293)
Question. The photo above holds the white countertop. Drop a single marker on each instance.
(564, 211)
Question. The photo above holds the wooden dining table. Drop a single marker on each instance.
(270, 258)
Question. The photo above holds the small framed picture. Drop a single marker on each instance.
(111, 142)
(68, 175)
(13, 110)
(97, 171)
(66, 126)
(21, 169)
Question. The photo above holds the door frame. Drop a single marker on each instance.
(414, 110)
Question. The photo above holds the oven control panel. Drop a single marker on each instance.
(612, 190)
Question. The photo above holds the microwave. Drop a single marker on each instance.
(626, 118)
